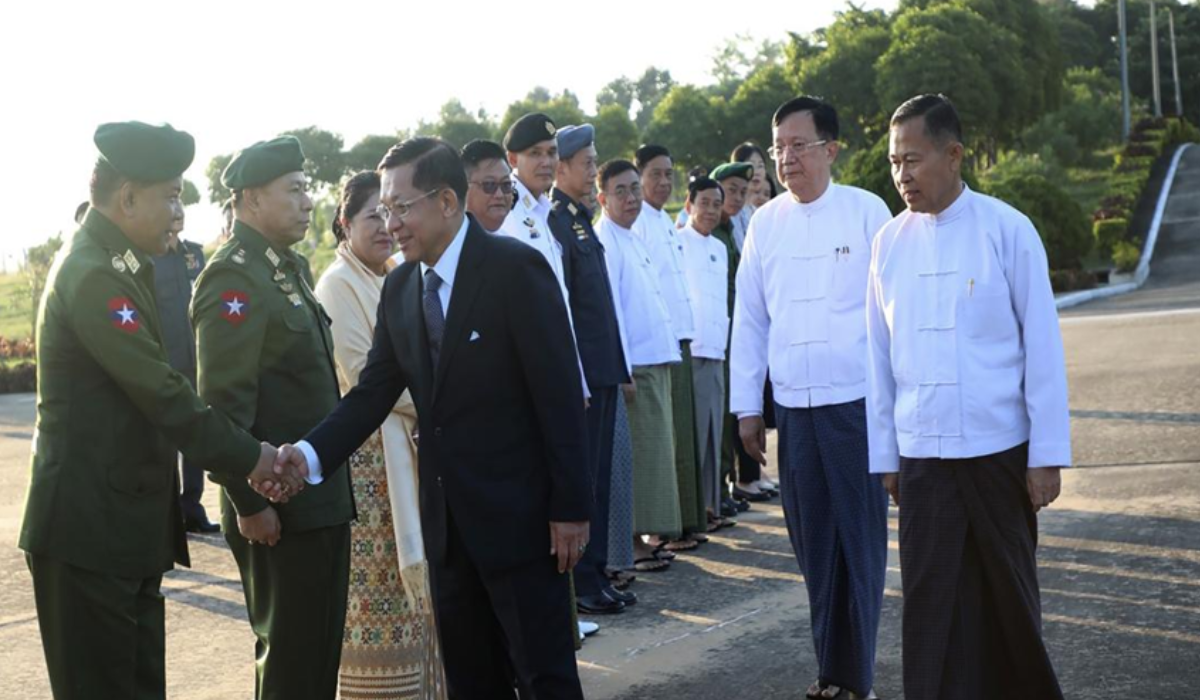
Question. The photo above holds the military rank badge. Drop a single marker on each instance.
(234, 306)
(190, 260)
(124, 314)
(118, 264)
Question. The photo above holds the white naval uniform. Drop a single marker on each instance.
(665, 246)
(801, 299)
(706, 263)
(528, 222)
(965, 352)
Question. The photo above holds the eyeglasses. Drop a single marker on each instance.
(623, 192)
(403, 209)
(800, 148)
(489, 187)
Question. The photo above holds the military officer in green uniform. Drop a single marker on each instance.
(266, 360)
(102, 520)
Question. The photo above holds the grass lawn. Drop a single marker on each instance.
(16, 311)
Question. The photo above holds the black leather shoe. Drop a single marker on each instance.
(626, 598)
(202, 526)
(598, 604)
(740, 494)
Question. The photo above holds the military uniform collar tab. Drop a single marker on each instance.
(562, 199)
(257, 244)
(112, 238)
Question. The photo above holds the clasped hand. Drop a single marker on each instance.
(279, 474)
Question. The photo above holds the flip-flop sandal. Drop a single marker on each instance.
(726, 522)
(681, 545)
(662, 553)
(713, 526)
(620, 579)
(824, 691)
(650, 565)
(698, 538)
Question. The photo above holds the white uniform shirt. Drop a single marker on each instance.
(662, 240)
(801, 297)
(965, 353)
(706, 262)
(646, 335)
(528, 222)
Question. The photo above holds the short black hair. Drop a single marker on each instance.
(105, 182)
(702, 184)
(941, 118)
(436, 164)
(355, 193)
(742, 153)
(824, 115)
(613, 168)
(647, 153)
(479, 150)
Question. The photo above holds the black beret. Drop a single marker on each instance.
(529, 131)
(145, 152)
(728, 170)
(263, 162)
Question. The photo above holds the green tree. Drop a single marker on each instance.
(686, 121)
(563, 109)
(190, 194)
(616, 134)
(323, 162)
(366, 154)
(650, 89)
(1060, 222)
(747, 115)
(733, 63)
(458, 126)
(217, 193)
(38, 260)
(844, 73)
(942, 50)
(620, 91)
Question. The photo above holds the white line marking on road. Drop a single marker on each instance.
(1131, 316)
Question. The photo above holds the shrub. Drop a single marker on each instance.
(1126, 255)
(1141, 150)
(18, 379)
(1071, 280)
(1127, 164)
(1181, 131)
(1107, 232)
(1059, 220)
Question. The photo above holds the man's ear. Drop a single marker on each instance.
(512, 160)
(449, 201)
(127, 198)
(955, 151)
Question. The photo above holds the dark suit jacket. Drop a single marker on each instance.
(502, 421)
(586, 274)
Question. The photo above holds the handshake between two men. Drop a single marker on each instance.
(282, 473)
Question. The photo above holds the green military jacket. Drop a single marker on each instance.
(265, 356)
(724, 233)
(111, 415)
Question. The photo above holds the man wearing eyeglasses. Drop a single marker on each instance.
(599, 342)
(801, 311)
(489, 183)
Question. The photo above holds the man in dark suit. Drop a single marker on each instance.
(600, 353)
(475, 327)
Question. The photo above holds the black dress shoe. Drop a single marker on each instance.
(740, 494)
(626, 598)
(598, 604)
(201, 526)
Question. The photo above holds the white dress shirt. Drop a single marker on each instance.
(706, 262)
(801, 295)
(645, 324)
(445, 268)
(662, 240)
(965, 353)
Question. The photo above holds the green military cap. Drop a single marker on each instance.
(728, 170)
(145, 152)
(263, 162)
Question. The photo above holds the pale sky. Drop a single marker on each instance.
(233, 73)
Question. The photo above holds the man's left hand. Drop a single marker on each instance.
(1045, 483)
(567, 542)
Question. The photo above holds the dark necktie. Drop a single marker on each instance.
(435, 318)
